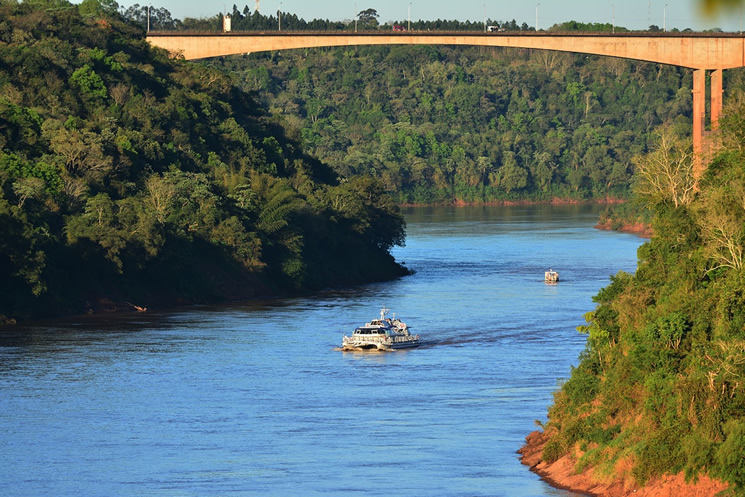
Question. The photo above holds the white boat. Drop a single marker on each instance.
(551, 276)
(381, 334)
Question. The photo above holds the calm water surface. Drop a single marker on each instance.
(254, 400)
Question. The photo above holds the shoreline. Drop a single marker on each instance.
(640, 229)
(491, 203)
(561, 474)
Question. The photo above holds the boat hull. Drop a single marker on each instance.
(351, 344)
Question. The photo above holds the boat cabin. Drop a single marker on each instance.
(373, 330)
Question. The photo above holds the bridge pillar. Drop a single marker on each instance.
(699, 117)
(703, 144)
(716, 98)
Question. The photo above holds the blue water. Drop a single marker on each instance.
(254, 399)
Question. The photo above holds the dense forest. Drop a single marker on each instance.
(440, 124)
(128, 178)
(660, 387)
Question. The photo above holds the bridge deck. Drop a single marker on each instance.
(692, 50)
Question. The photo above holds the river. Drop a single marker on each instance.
(253, 399)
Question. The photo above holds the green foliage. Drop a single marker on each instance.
(666, 347)
(593, 27)
(470, 124)
(553, 450)
(729, 454)
(90, 84)
(668, 331)
(129, 176)
(659, 454)
(698, 452)
(582, 386)
(20, 125)
(619, 216)
(95, 8)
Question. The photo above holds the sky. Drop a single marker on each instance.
(632, 14)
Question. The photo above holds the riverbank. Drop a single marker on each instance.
(496, 203)
(639, 228)
(642, 229)
(224, 286)
(562, 474)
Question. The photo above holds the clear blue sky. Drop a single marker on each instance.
(633, 14)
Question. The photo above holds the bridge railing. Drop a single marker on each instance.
(492, 34)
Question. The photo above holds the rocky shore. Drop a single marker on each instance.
(642, 229)
(562, 474)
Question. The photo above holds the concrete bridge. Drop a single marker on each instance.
(700, 52)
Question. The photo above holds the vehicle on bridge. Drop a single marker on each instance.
(396, 27)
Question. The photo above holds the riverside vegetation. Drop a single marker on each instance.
(129, 177)
(660, 387)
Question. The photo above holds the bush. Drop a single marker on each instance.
(730, 455)
(582, 386)
(553, 450)
(659, 454)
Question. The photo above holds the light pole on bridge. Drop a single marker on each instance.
(408, 27)
(649, 13)
(664, 19)
(279, 17)
(536, 17)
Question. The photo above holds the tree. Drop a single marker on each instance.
(368, 18)
(729, 454)
(90, 84)
(104, 8)
(665, 175)
(159, 197)
(511, 175)
(160, 18)
(721, 216)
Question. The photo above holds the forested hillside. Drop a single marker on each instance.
(438, 124)
(129, 177)
(660, 388)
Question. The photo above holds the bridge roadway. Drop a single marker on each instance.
(700, 52)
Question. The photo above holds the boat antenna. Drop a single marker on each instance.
(383, 312)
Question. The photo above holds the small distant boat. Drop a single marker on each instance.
(551, 276)
(381, 334)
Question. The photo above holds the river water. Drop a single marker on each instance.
(253, 399)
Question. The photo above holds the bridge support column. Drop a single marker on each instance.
(699, 117)
(703, 144)
(716, 98)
